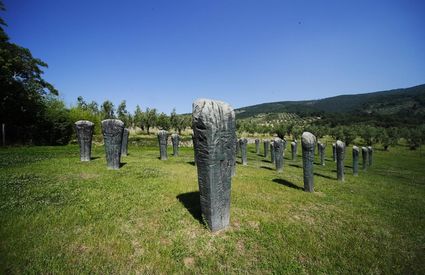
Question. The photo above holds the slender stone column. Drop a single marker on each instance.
(242, 144)
(322, 147)
(340, 155)
(278, 154)
(266, 147)
(370, 154)
(175, 139)
(124, 145)
(112, 130)
(355, 160)
(294, 150)
(257, 146)
(214, 129)
(334, 152)
(84, 129)
(272, 151)
(163, 140)
(365, 158)
(308, 141)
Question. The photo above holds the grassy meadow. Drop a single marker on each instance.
(59, 215)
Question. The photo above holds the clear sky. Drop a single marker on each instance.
(165, 54)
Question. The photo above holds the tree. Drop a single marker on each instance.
(123, 114)
(350, 134)
(150, 119)
(107, 110)
(163, 122)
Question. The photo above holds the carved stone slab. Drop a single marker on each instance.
(257, 146)
(84, 129)
(266, 147)
(278, 146)
(242, 144)
(370, 154)
(340, 155)
(294, 150)
(175, 139)
(272, 151)
(162, 140)
(308, 141)
(365, 158)
(124, 146)
(355, 160)
(112, 130)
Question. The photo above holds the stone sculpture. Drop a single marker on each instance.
(112, 130)
(334, 152)
(278, 154)
(266, 147)
(175, 139)
(242, 144)
(294, 150)
(272, 151)
(257, 146)
(308, 141)
(365, 158)
(162, 140)
(124, 144)
(355, 160)
(322, 147)
(214, 129)
(84, 129)
(340, 155)
(370, 154)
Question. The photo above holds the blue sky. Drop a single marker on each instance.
(165, 54)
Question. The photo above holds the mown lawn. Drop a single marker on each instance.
(58, 215)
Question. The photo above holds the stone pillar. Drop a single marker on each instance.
(340, 155)
(266, 147)
(278, 154)
(294, 150)
(162, 140)
(334, 152)
(308, 141)
(242, 144)
(175, 139)
(370, 155)
(272, 151)
(365, 158)
(322, 147)
(112, 130)
(355, 160)
(84, 129)
(214, 128)
(124, 145)
(257, 146)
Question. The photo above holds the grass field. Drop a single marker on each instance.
(58, 215)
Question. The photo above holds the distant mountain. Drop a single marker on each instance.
(408, 102)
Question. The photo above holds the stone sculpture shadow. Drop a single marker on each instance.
(324, 176)
(288, 184)
(191, 163)
(122, 164)
(295, 165)
(94, 158)
(264, 160)
(191, 202)
(265, 167)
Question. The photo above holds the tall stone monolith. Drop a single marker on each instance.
(278, 154)
(334, 152)
(112, 130)
(124, 144)
(242, 144)
(175, 140)
(365, 158)
(272, 151)
(355, 160)
(308, 141)
(162, 141)
(257, 146)
(340, 155)
(214, 129)
(266, 147)
(322, 147)
(294, 150)
(84, 129)
(370, 155)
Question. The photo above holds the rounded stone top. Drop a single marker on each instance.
(308, 140)
(293, 143)
(355, 148)
(162, 132)
(113, 121)
(364, 148)
(340, 144)
(212, 114)
(174, 135)
(84, 122)
(369, 148)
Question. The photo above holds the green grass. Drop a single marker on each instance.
(58, 215)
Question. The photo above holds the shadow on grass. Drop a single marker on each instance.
(348, 166)
(122, 164)
(295, 165)
(191, 163)
(265, 167)
(265, 160)
(288, 184)
(324, 176)
(94, 158)
(191, 202)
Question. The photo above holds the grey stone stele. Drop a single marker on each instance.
(294, 150)
(84, 129)
(340, 155)
(333, 151)
(124, 144)
(112, 130)
(370, 154)
(322, 147)
(242, 144)
(175, 139)
(365, 158)
(278, 146)
(162, 140)
(214, 127)
(257, 146)
(355, 160)
(272, 151)
(235, 147)
(308, 141)
(266, 147)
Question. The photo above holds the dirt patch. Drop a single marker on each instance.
(189, 262)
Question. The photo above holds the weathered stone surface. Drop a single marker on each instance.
(308, 141)
(112, 130)
(84, 129)
(294, 150)
(340, 155)
(214, 129)
(370, 154)
(162, 140)
(124, 144)
(266, 147)
(334, 152)
(242, 144)
(257, 146)
(175, 139)
(365, 158)
(322, 147)
(272, 151)
(278, 154)
(355, 160)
